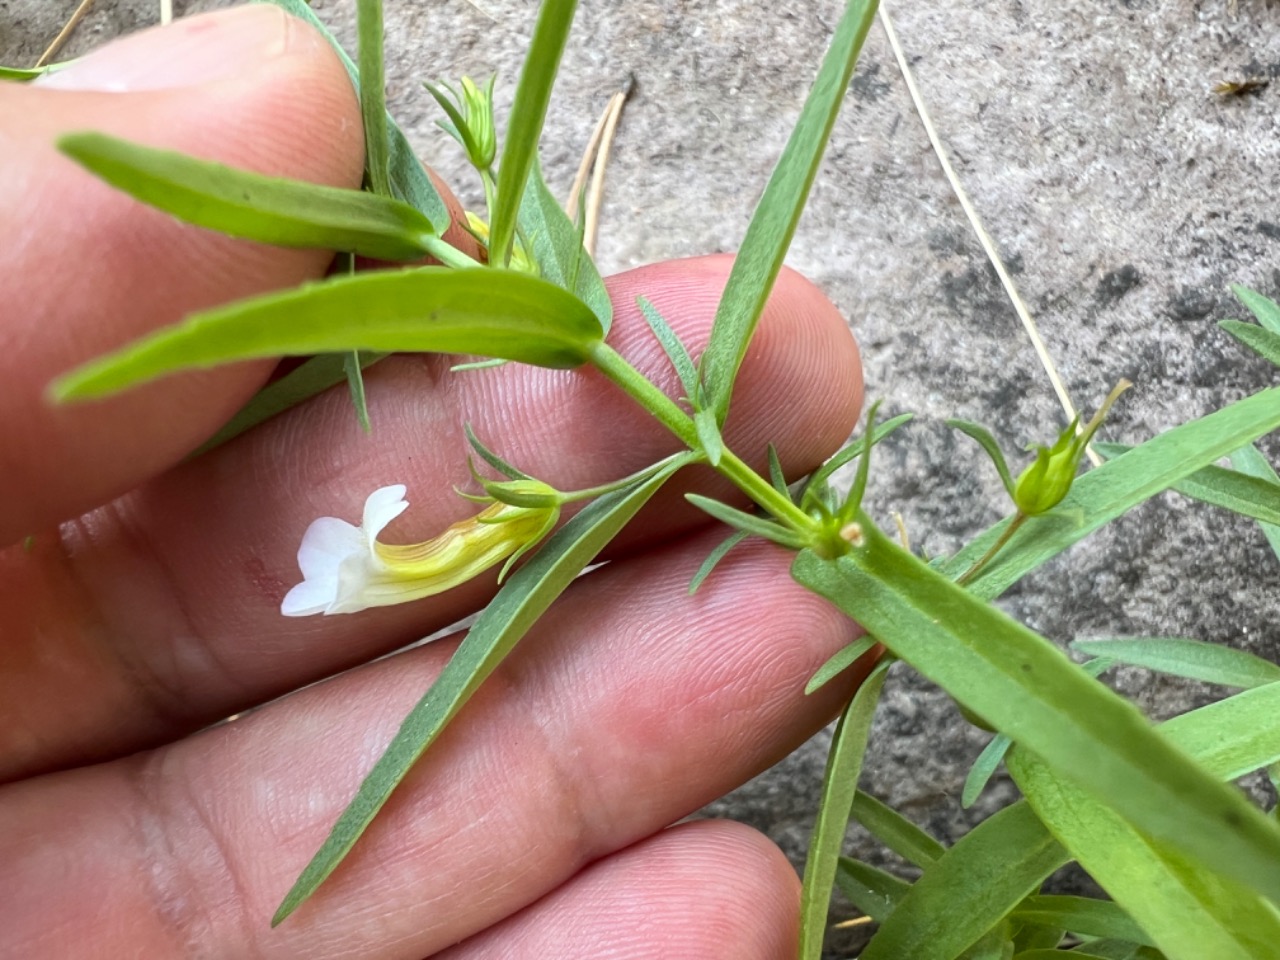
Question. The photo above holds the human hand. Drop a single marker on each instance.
(147, 605)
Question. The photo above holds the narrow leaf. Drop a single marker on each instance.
(507, 618)
(310, 379)
(1105, 493)
(1030, 691)
(373, 107)
(524, 126)
(995, 865)
(851, 452)
(1258, 339)
(491, 458)
(1264, 308)
(983, 769)
(895, 831)
(409, 180)
(714, 558)
(870, 889)
(747, 522)
(355, 386)
(709, 437)
(1250, 495)
(839, 662)
(433, 309)
(988, 443)
(839, 785)
(1231, 737)
(1190, 913)
(1079, 953)
(774, 222)
(777, 478)
(1248, 460)
(681, 362)
(556, 246)
(287, 213)
(1082, 915)
(1182, 657)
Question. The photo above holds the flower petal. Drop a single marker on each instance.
(327, 542)
(383, 506)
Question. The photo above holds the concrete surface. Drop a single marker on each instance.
(1124, 193)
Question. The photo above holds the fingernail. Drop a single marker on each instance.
(187, 52)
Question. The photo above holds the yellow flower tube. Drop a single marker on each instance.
(346, 569)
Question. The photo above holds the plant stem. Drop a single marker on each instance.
(447, 255)
(637, 386)
(1018, 520)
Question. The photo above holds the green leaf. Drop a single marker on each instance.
(524, 125)
(851, 452)
(287, 213)
(491, 458)
(1035, 936)
(774, 223)
(983, 768)
(895, 831)
(556, 247)
(749, 523)
(714, 557)
(355, 385)
(22, 74)
(507, 618)
(839, 785)
(969, 889)
(434, 309)
(409, 180)
(777, 478)
(709, 437)
(1082, 915)
(1079, 953)
(309, 379)
(1231, 737)
(1258, 339)
(1104, 493)
(1183, 657)
(681, 362)
(870, 889)
(1030, 691)
(1265, 309)
(373, 107)
(1249, 460)
(839, 662)
(988, 443)
(1188, 912)
(1251, 495)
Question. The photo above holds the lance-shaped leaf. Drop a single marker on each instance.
(1190, 913)
(1249, 460)
(1029, 690)
(309, 379)
(507, 618)
(1184, 657)
(774, 222)
(287, 213)
(1264, 308)
(1250, 495)
(373, 107)
(817, 483)
(984, 439)
(873, 891)
(995, 865)
(748, 523)
(1082, 915)
(1105, 493)
(556, 246)
(1260, 340)
(895, 831)
(524, 125)
(433, 309)
(409, 180)
(839, 662)
(839, 785)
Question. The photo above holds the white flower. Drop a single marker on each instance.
(345, 568)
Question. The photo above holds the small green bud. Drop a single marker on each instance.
(521, 260)
(529, 493)
(1044, 484)
(477, 110)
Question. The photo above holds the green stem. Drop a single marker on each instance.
(609, 362)
(1018, 520)
(449, 256)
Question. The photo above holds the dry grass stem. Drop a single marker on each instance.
(988, 245)
(52, 50)
(596, 197)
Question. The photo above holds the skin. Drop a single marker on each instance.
(147, 606)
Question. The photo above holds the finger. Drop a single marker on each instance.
(91, 268)
(161, 613)
(629, 706)
(711, 889)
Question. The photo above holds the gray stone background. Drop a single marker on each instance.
(1122, 191)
